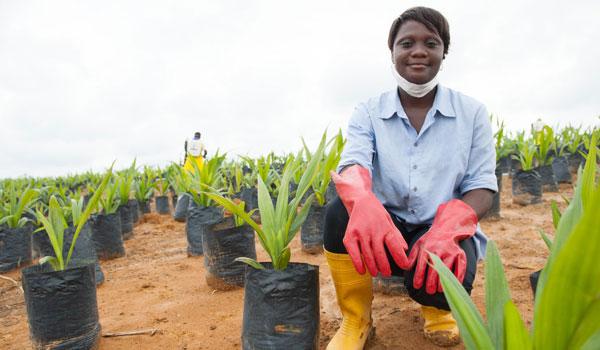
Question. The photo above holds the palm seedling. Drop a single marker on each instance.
(207, 177)
(262, 167)
(526, 154)
(55, 224)
(544, 140)
(109, 202)
(280, 222)
(143, 188)
(16, 205)
(573, 138)
(504, 145)
(125, 182)
(589, 136)
(161, 185)
(176, 176)
(327, 163)
(559, 144)
(234, 177)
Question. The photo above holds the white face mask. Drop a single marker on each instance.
(415, 90)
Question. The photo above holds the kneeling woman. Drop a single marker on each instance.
(416, 174)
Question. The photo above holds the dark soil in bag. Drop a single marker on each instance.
(84, 251)
(281, 308)
(222, 244)
(560, 166)
(106, 235)
(182, 206)
(331, 192)
(86, 199)
(198, 219)
(311, 234)
(250, 197)
(62, 309)
(533, 281)
(494, 211)
(144, 207)
(174, 199)
(527, 187)
(293, 188)
(575, 160)
(515, 166)
(134, 209)
(15, 247)
(548, 181)
(126, 222)
(162, 205)
(504, 165)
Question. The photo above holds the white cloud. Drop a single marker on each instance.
(83, 83)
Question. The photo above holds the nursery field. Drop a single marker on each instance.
(156, 288)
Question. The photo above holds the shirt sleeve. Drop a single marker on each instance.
(360, 141)
(482, 158)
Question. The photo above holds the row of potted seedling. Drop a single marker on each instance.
(539, 160)
(59, 212)
(125, 196)
(69, 231)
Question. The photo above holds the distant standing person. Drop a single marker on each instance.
(195, 152)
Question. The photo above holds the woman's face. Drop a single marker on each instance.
(417, 52)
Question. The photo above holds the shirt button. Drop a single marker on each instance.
(412, 211)
(415, 166)
(415, 189)
(416, 144)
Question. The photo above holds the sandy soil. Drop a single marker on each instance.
(157, 286)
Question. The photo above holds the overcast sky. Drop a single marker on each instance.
(85, 82)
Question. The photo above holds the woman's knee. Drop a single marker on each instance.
(438, 299)
(336, 221)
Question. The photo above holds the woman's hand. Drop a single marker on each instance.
(454, 221)
(370, 227)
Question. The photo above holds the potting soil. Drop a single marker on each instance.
(15, 247)
(560, 166)
(126, 221)
(107, 237)
(61, 306)
(198, 219)
(181, 208)
(281, 308)
(162, 205)
(222, 243)
(311, 234)
(526, 187)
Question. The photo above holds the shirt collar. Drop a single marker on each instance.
(390, 104)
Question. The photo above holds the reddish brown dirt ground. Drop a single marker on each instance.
(156, 285)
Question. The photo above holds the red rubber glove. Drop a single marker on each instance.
(370, 225)
(454, 221)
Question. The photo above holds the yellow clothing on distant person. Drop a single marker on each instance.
(189, 163)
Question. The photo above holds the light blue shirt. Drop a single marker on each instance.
(413, 174)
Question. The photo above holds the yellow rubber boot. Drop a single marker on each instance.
(354, 296)
(440, 327)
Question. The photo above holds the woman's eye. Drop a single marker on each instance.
(431, 44)
(405, 44)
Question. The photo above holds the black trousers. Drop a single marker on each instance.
(336, 220)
